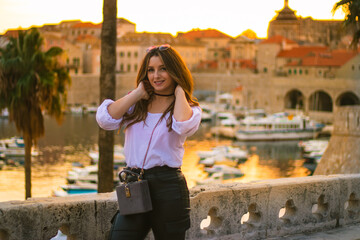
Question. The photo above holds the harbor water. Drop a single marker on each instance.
(71, 142)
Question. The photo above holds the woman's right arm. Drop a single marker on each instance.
(109, 113)
(118, 108)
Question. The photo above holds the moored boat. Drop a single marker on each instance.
(15, 146)
(280, 126)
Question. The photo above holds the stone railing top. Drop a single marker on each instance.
(255, 210)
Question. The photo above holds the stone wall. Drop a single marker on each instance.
(343, 152)
(256, 210)
(259, 90)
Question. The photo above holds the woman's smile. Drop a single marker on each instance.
(159, 77)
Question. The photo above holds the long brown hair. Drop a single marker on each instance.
(177, 70)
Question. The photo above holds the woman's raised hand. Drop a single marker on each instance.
(179, 91)
(142, 91)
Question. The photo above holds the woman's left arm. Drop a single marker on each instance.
(182, 109)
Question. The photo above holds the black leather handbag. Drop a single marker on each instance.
(133, 197)
(133, 194)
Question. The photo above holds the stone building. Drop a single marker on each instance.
(73, 55)
(305, 30)
(216, 42)
(131, 49)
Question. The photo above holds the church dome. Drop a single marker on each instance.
(286, 13)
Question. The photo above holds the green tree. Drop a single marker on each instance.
(351, 8)
(31, 81)
(107, 90)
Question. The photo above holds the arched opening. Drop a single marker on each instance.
(320, 101)
(294, 99)
(347, 98)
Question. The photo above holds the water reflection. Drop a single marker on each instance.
(70, 142)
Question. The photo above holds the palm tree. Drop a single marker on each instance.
(31, 81)
(107, 90)
(352, 19)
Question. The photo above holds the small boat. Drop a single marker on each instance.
(227, 171)
(313, 145)
(279, 126)
(88, 174)
(214, 178)
(15, 146)
(220, 152)
(4, 113)
(80, 188)
(119, 157)
(217, 178)
(313, 150)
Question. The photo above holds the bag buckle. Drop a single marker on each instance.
(127, 191)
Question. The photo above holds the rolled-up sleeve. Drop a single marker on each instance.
(188, 127)
(103, 117)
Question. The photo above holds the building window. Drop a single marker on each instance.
(289, 71)
(135, 54)
(121, 54)
(135, 67)
(265, 69)
(306, 71)
(129, 54)
(295, 71)
(128, 67)
(353, 67)
(121, 67)
(300, 71)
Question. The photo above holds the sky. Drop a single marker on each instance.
(231, 17)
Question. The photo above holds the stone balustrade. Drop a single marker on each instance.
(256, 210)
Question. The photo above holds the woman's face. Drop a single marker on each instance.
(158, 76)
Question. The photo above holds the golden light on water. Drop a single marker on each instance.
(49, 177)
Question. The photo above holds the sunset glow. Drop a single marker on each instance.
(229, 16)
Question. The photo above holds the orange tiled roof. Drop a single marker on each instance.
(336, 58)
(85, 37)
(244, 63)
(238, 88)
(212, 64)
(278, 39)
(208, 33)
(12, 33)
(86, 25)
(299, 52)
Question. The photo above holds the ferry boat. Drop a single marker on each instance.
(279, 126)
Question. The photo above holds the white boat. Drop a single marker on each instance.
(279, 126)
(90, 108)
(4, 113)
(220, 152)
(313, 145)
(119, 157)
(227, 171)
(312, 150)
(80, 188)
(15, 146)
(210, 161)
(217, 178)
(88, 174)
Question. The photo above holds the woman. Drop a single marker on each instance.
(163, 93)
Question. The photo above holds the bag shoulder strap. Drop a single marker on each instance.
(147, 150)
